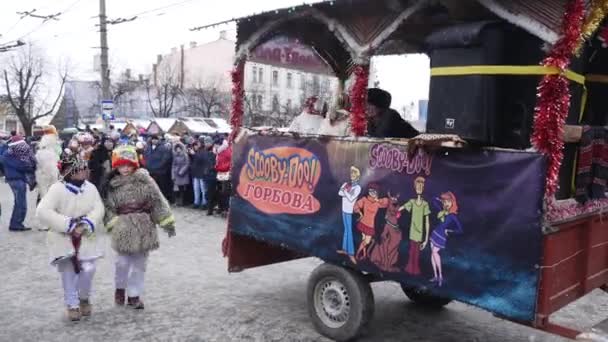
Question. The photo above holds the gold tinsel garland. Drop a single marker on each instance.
(597, 13)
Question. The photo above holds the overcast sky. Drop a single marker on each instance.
(135, 44)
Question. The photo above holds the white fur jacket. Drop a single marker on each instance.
(47, 157)
(62, 204)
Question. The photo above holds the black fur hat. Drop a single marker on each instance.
(379, 98)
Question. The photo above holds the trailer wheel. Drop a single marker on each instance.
(422, 296)
(340, 302)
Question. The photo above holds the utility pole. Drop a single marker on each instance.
(103, 33)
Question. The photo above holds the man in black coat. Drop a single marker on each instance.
(159, 158)
(384, 122)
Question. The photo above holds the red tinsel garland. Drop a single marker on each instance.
(554, 95)
(236, 113)
(358, 96)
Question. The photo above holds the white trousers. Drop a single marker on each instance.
(76, 286)
(130, 273)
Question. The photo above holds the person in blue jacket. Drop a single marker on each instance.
(15, 173)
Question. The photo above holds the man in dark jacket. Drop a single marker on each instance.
(203, 173)
(15, 171)
(384, 122)
(159, 159)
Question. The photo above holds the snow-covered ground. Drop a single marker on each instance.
(191, 297)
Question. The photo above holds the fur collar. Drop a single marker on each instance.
(139, 176)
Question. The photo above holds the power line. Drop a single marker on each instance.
(163, 7)
(47, 18)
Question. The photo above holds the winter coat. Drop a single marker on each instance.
(100, 165)
(391, 125)
(203, 165)
(15, 169)
(134, 207)
(306, 123)
(47, 158)
(224, 159)
(62, 203)
(158, 160)
(180, 171)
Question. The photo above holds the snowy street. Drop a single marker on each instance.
(191, 297)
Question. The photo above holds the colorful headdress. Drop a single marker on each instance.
(72, 164)
(125, 155)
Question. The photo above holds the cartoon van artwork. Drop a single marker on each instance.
(349, 192)
(385, 252)
(367, 208)
(448, 216)
(419, 226)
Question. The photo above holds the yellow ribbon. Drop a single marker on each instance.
(525, 70)
(522, 70)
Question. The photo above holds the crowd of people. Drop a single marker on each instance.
(123, 184)
(189, 170)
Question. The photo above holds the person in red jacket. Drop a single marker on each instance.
(222, 166)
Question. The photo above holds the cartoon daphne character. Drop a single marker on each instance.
(449, 225)
(367, 207)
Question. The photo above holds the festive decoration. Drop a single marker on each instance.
(236, 114)
(597, 13)
(358, 95)
(603, 36)
(554, 95)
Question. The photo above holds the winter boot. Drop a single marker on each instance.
(74, 314)
(85, 308)
(119, 297)
(135, 303)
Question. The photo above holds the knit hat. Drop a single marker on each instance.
(379, 98)
(124, 155)
(16, 139)
(208, 140)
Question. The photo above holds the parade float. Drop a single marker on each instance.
(501, 205)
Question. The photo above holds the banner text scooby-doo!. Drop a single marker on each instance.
(281, 180)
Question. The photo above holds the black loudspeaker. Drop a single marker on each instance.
(496, 110)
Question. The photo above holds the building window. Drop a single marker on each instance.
(275, 103)
(289, 104)
(260, 102)
(289, 80)
(275, 78)
(261, 75)
(302, 81)
(10, 125)
(255, 74)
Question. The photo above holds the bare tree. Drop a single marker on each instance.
(207, 99)
(162, 98)
(24, 78)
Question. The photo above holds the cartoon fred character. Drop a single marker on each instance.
(367, 207)
(419, 226)
(449, 225)
(349, 192)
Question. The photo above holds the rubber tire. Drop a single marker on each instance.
(422, 297)
(361, 300)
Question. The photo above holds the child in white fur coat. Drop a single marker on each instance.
(74, 211)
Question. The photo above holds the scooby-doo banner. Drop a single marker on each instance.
(465, 224)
